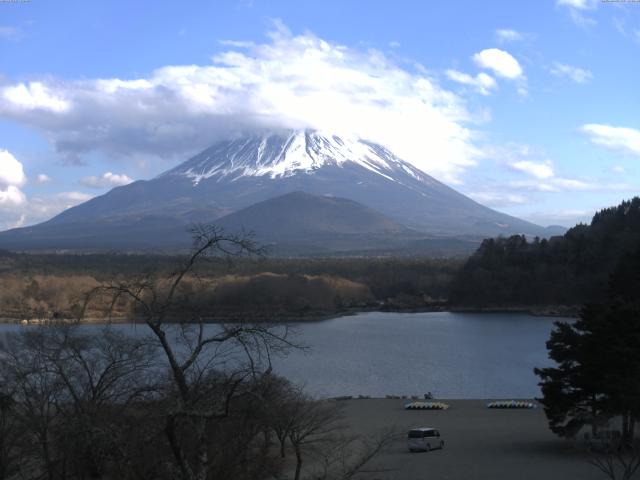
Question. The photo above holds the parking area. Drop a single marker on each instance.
(481, 443)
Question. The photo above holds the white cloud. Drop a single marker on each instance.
(237, 43)
(11, 171)
(535, 169)
(16, 209)
(11, 196)
(39, 208)
(618, 169)
(501, 62)
(289, 82)
(620, 25)
(523, 159)
(540, 174)
(43, 178)
(498, 199)
(573, 184)
(619, 139)
(564, 217)
(582, 20)
(10, 33)
(33, 96)
(19, 222)
(42, 208)
(394, 44)
(578, 4)
(107, 180)
(482, 82)
(12, 177)
(508, 35)
(576, 74)
(577, 9)
(560, 184)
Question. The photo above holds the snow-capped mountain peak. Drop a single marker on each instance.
(284, 155)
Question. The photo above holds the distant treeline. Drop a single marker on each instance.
(46, 285)
(568, 270)
(503, 273)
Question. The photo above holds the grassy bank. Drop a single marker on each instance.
(46, 286)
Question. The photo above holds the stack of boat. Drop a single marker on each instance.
(511, 404)
(425, 406)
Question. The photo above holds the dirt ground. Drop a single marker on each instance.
(481, 443)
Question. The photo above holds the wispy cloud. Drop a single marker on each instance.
(9, 33)
(561, 184)
(577, 11)
(565, 217)
(618, 139)
(535, 173)
(482, 83)
(582, 20)
(499, 199)
(577, 4)
(509, 35)
(541, 170)
(42, 207)
(236, 43)
(576, 74)
(43, 178)
(106, 180)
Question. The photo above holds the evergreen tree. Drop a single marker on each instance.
(597, 376)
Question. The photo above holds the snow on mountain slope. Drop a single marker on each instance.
(285, 155)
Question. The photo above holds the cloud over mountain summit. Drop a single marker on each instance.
(291, 81)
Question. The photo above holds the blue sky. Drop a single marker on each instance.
(528, 107)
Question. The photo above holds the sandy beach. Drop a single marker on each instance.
(481, 443)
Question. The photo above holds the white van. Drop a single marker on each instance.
(424, 438)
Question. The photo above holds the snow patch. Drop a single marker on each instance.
(278, 156)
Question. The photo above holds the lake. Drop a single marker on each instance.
(452, 355)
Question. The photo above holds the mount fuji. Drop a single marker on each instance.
(403, 204)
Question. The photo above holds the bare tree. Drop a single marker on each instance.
(347, 456)
(620, 464)
(313, 423)
(208, 367)
(70, 390)
(36, 392)
(280, 403)
(10, 435)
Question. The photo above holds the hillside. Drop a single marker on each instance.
(564, 270)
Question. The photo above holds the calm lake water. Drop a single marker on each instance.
(452, 355)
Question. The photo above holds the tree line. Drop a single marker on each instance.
(37, 286)
(568, 270)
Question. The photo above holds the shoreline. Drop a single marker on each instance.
(558, 311)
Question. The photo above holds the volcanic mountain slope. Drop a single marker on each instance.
(299, 222)
(235, 174)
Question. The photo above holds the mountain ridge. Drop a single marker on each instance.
(235, 174)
